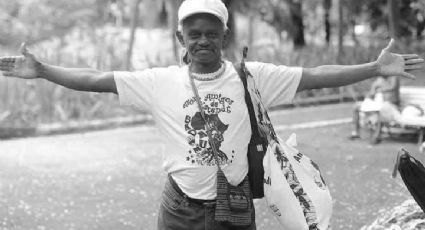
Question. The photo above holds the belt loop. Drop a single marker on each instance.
(176, 187)
(186, 197)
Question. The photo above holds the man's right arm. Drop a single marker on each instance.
(81, 79)
(27, 66)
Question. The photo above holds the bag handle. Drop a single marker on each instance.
(263, 126)
(240, 67)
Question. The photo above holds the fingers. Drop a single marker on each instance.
(409, 56)
(389, 46)
(413, 67)
(23, 49)
(8, 63)
(10, 59)
(8, 74)
(414, 61)
(6, 60)
(408, 75)
(6, 68)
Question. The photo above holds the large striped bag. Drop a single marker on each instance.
(294, 189)
(293, 186)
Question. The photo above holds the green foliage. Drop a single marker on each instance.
(410, 14)
(315, 55)
(37, 20)
(28, 103)
(78, 33)
(51, 17)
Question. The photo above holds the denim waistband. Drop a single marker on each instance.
(181, 193)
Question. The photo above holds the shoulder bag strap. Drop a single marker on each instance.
(207, 123)
(239, 67)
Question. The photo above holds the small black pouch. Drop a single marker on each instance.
(256, 152)
(258, 144)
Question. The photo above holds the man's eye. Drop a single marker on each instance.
(194, 36)
(212, 35)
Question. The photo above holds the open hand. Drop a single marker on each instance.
(23, 66)
(392, 64)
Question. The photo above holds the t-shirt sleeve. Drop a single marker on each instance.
(277, 83)
(135, 89)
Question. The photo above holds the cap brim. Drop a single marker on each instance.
(204, 11)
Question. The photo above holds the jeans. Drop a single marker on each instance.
(178, 213)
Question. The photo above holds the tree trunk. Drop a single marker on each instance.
(102, 9)
(420, 27)
(231, 47)
(340, 42)
(393, 18)
(134, 23)
(163, 15)
(352, 26)
(327, 7)
(172, 8)
(296, 14)
(340, 31)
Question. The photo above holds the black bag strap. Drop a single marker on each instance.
(242, 72)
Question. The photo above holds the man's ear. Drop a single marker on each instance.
(226, 37)
(180, 38)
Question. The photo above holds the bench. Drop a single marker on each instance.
(413, 95)
(410, 95)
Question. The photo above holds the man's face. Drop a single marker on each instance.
(203, 36)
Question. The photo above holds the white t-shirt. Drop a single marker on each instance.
(167, 94)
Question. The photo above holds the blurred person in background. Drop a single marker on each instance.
(383, 97)
(190, 191)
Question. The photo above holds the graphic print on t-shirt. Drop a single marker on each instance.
(201, 152)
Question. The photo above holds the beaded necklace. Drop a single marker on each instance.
(208, 76)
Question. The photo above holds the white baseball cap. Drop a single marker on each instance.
(214, 7)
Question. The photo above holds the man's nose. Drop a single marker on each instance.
(203, 40)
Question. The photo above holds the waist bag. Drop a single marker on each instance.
(290, 182)
(233, 203)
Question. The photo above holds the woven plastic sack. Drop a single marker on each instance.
(294, 188)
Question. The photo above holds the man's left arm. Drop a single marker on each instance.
(387, 64)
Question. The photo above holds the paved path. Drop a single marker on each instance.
(101, 143)
(106, 179)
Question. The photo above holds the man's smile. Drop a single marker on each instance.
(204, 50)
